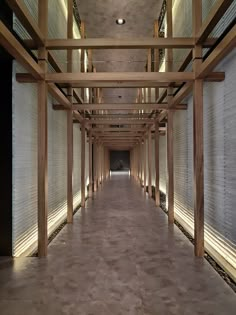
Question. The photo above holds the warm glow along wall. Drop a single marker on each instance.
(25, 145)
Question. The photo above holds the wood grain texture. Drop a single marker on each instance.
(42, 140)
(82, 165)
(198, 139)
(157, 178)
(69, 120)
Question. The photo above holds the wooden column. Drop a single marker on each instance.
(95, 180)
(82, 67)
(170, 152)
(150, 163)
(157, 189)
(156, 57)
(141, 163)
(90, 164)
(42, 138)
(70, 121)
(149, 69)
(145, 164)
(82, 165)
(198, 138)
(170, 167)
(157, 179)
(99, 163)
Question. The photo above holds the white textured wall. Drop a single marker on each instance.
(24, 163)
(25, 145)
(77, 165)
(219, 166)
(57, 167)
(162, 162)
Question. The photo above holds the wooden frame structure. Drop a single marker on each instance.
(132, 138)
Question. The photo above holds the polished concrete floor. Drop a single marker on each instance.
(119, 257)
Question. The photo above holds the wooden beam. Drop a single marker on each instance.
(116, 43)
(144, 165)
(69, 120)
(120, 121)
(28, 78)
(186, 89)
(150, 163)
(27, 20)
(157, 177)
(95, 156)
(170, 140)
(221, 50)
(83, 78)
(90, 164)
(170, 167)
(117, 129)
(59, 96)
(82, 165)
(16, 50)
(121, 106)
(42, 139)
(216, 13)
(198, 138)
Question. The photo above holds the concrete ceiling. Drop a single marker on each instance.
(100, 21)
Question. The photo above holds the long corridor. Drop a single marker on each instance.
(119, 257)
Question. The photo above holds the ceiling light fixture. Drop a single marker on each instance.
(120, 21)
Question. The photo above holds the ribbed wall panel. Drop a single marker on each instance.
(153, 164)
(162, 162)
(24, 163)
(219, 166)
(86, 164)
(57, 167)
(77, 165)
(25, 146)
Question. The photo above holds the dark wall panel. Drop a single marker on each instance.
(119, 160)
(6, 142)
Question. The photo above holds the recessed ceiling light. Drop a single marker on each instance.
(120, 21)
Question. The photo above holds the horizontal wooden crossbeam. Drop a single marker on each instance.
(116, 43)
(120, 121)
(117, 106)
(153, 77)
(117, 129)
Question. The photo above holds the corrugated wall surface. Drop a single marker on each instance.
(24, 161)
(76, 165)
(25, 147)
(219, 157)
(162, 162)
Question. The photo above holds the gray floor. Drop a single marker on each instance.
(119, 257)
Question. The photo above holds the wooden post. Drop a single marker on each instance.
(170, 152)
(70, 122)
(42, 138)
(90, 165)
(95, 180)
(157, 61)
(198, 138)
(141, 163)
(149, 69)
(82, 67)
(170, 165)
(82, 165)
(156, 56)
(157, 189)
(145, 165)
(150, 163)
